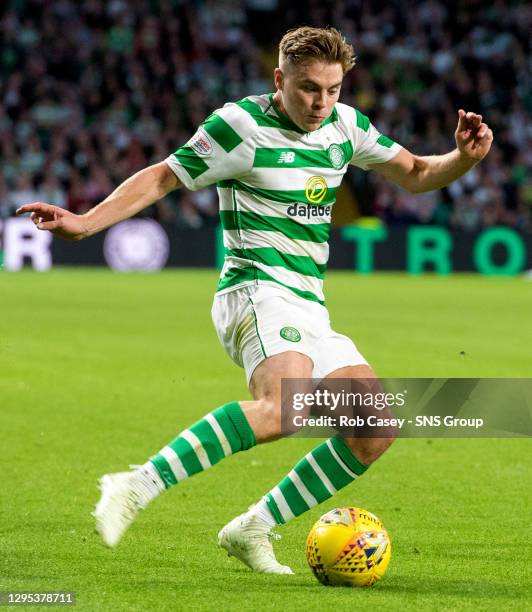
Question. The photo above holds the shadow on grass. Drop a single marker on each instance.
(467, 587)
(399, 585)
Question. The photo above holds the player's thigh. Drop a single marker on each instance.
(266, 380)
(366, 449)
(361, 371)
(264, 413)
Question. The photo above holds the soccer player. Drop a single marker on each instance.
(277, 160)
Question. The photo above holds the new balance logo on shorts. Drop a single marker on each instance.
(307, 211)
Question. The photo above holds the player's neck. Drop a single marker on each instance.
(278, 101)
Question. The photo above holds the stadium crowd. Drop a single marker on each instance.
(92, 91)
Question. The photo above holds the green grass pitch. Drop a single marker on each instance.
(100, 370)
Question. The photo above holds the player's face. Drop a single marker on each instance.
(307, 93)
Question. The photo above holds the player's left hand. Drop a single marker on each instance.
(473, 138)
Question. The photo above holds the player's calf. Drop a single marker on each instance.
(368, 450)
(264, 417)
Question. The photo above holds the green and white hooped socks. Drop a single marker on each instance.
(317, 477)
(217, 435)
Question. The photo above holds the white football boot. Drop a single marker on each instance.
(248, 538)
(122, 499)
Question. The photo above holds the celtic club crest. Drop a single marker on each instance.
(337, 156)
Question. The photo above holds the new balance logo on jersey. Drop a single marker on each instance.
(287, 157)
(306, 211)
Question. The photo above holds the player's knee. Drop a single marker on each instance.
(270, 411)
(368, 450)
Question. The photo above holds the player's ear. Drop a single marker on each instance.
(278, 78)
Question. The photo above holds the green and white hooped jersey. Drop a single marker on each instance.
(276, 185)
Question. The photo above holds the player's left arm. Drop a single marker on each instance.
(419, 174)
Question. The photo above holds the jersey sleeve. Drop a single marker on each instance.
(222, 148)
(369, 145)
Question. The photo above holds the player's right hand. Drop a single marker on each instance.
(57, 220)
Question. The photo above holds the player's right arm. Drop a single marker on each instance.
(133, 195)
(222, 148)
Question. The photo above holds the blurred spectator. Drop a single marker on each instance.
(51, 190)
(5, 199)
(92, 91)
(24, 191)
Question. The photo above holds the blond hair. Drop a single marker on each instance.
(305, 44)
